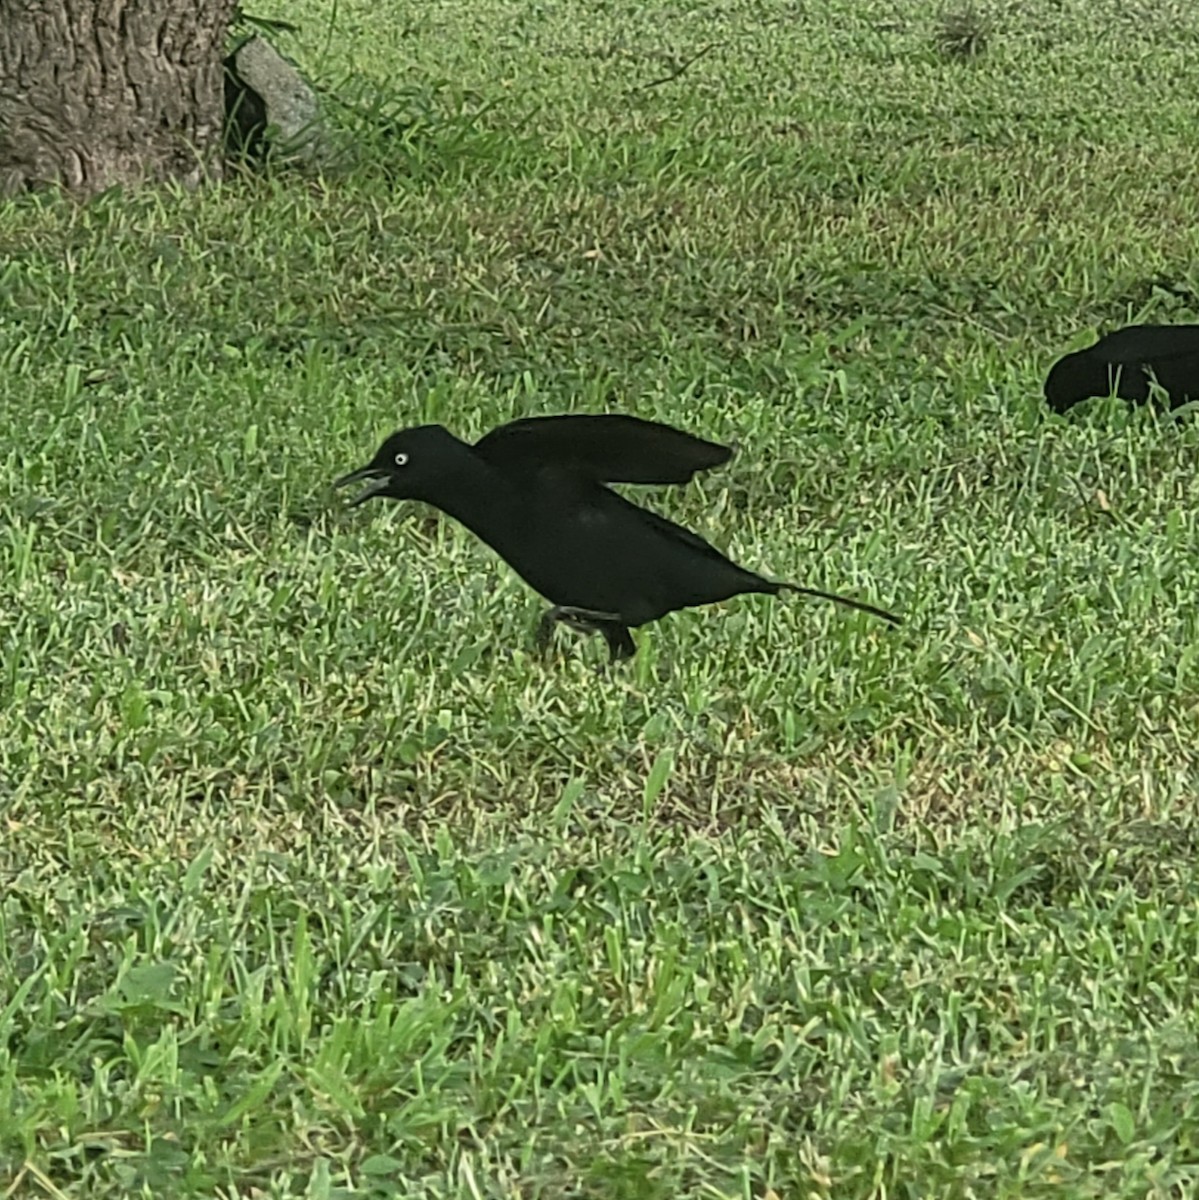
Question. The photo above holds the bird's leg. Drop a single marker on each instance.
(588, 621)
(619, 639)
(545, 631)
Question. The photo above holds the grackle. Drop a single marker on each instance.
(534, 491)
(1123, 363)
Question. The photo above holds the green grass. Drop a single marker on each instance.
(314, 882)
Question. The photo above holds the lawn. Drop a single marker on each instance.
(315, 882)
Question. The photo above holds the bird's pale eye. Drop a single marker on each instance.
(401, 459)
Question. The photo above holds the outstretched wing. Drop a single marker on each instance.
(601, 448)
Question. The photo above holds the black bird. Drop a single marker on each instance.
(533, 490)
(1123, 363)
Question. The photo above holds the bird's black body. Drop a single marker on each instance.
(534, 491)
(1123, 363)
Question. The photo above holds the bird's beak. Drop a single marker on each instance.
(377, 483)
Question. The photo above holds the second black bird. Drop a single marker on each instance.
(534, 491)
(1124, 362)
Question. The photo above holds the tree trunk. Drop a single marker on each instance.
(95, 93)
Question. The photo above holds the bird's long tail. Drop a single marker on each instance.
(860, 605)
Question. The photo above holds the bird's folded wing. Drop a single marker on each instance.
(1147, 344)
(606, 448)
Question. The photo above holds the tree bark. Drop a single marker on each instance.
(95, 93)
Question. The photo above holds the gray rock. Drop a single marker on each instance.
(270, 105)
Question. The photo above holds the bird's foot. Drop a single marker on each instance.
(587, 621)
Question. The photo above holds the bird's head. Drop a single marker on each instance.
(1072, 379)
(1081, 375)
(407, 466)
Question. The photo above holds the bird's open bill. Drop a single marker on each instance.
(377, 483)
